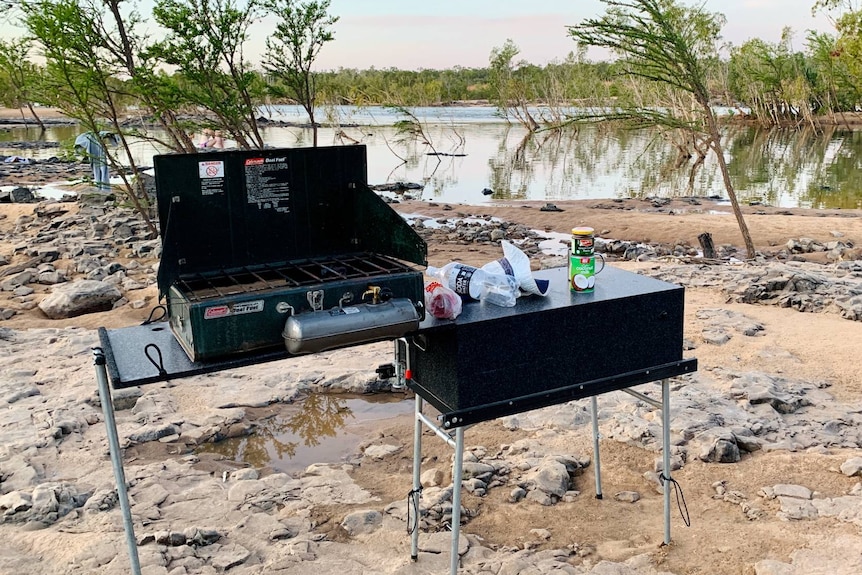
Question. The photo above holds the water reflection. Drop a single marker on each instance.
(322, 428)
(779, 167)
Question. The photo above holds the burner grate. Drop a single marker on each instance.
(265, 277)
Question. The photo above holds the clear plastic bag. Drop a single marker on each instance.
(440, 301)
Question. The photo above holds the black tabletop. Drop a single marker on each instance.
(143, 354)
(612, 283)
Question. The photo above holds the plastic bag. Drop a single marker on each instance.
(440, 301)
(516, 263)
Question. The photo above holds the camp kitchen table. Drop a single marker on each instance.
(492, 362)
(488, 363)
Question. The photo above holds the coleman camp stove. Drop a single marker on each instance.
(282, 247)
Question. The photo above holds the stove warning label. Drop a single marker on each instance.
(239, 308)
(267, 183)
(212, 177)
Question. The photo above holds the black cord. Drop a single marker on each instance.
(152, 319)
(160, 364)
(683, 508)
(413, 499)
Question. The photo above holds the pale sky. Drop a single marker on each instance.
(412, 34)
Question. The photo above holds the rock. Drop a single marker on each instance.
(540, 497)
(229, 556)
(78, 298)
(797, 491)
(793, 508)
(852, 467)
(722, 449)
(431, 477)
(542, 534)
(153, 432)
(474, 469)
(715, 336)
(381, 451)
(16, 280)
(517, 494)
(359, 522)
(15, 502)
(551, 478)
(248, 474)
(627, 496)
(550, 208)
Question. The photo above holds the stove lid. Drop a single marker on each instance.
(230, 209)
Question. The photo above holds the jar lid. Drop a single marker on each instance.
(582, 231)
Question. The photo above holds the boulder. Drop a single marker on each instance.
(79, 298)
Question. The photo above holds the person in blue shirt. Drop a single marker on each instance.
(93, 147)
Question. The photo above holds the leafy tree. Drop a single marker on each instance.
(670, 45)
(774, 81)
(20, 76)
(836, 88)
(303, 29)
(511, 91)
(81, 73)
(204, 42)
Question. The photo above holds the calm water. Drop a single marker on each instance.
(321, 428)
(782, 168)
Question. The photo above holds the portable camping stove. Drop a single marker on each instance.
(285, 247)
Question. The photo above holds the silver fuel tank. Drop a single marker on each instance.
(311, 332)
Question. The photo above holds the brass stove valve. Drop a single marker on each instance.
(378, 294)
(374, 292)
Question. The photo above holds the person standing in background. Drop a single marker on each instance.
(93, 147)
(218, 140)
(207, 139)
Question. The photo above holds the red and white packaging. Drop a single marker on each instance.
(440, 301)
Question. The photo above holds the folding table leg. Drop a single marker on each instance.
(597, 460)
(116, 458)
(665, 449)
(457, 472)
(417, 462)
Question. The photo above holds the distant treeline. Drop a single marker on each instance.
(774, 83)
(570, 80)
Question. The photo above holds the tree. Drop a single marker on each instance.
(303, 29)
(670, 45)
(20, 76)
(81, 72)
(511, 92)
(204, 43)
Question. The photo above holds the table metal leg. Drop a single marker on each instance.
(665, 440)
(597, 460)
(116, 459)
(457, 474)
(417, 463)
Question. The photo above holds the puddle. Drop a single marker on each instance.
(321, 429)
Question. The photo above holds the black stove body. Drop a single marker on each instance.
(282, 247)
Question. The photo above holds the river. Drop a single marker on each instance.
(477, 150)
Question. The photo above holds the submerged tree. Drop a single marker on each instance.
(666, 43)
(300, 34)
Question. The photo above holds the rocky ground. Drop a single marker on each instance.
(767, 434)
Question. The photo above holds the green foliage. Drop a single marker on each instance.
(19, 76)
(671, 47)
(299, 35)
(204, 44)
